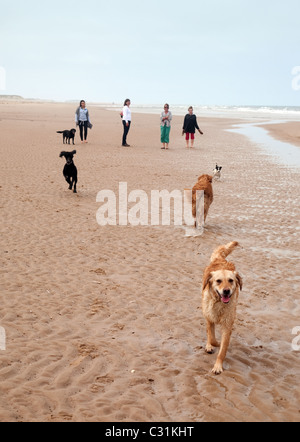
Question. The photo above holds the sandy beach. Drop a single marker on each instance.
(105, 323)
(288, 132)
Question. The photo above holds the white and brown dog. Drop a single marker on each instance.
(221, 285)
(217, 172)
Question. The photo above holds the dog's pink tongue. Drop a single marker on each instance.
(225, 300)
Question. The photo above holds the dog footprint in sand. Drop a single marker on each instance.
(100, 382)
(97, 306)
(85, 351)
(98, 271)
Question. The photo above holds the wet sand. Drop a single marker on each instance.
(287, 132)
(105, 324)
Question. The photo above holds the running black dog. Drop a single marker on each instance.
(68, 135)
(70, 170)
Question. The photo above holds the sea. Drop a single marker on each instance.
(287, 113)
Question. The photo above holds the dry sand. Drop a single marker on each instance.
(105, 324)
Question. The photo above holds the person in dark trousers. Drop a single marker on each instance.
(126, 121)
(189, 128)
(82, 119)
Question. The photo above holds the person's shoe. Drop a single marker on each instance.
(127, 145)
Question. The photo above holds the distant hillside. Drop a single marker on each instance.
(25, 100)
(11, 97)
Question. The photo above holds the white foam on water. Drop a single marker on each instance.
(284, 113)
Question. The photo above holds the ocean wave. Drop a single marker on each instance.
(238, 111)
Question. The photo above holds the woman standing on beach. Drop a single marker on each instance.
(126, 121)
(189, 127)
(166, 118)
(82, 119)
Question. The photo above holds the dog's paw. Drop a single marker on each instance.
(218, 369)
(74, 191)
(209, 349)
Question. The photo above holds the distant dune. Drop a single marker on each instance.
(11, 97)
(18, 98)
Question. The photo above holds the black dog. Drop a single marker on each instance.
(68, 135)
(70, 170)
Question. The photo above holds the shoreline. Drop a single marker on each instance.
(285, 129)
(288, 132)
(279, 151)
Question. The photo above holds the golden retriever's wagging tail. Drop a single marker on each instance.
(224, 251)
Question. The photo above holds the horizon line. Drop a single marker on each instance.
(16, 97)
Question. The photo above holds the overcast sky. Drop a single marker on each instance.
(226, 52)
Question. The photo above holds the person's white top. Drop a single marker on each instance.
(82, 115)
(126, 114)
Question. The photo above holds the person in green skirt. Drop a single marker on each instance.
(166, 118)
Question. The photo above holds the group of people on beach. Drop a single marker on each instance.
(190, 124)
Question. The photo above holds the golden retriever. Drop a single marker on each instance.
(221, 285)
(204, 184)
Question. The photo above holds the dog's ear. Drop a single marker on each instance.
(206, 279)
(239, 280)
(62, 154)
(74, 152)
